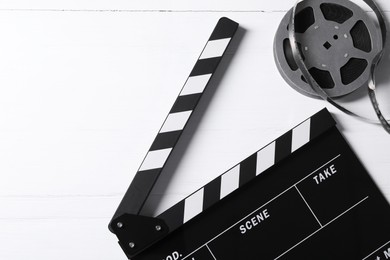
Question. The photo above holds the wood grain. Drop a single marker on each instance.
(85, 86)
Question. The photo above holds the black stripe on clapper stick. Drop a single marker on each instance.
(186, 103)
(212, 193)
(248, 169)
(165, 140)
(136, 232)
(283, 146)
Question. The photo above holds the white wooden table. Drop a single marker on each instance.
(85, 86)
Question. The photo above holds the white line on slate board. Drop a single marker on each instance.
(317, 169)
(321, 228)
(211, 252)
(307, 204)
(376, 250)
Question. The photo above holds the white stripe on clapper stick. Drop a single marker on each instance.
(176, 121)
(215, 48)
(265, 158)
(155, 159)
(195, 85)
(230, 181)
(193, 205)
(300, 135)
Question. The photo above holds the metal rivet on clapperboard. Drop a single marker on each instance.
(119, 224)
(158, 228)
(131, 244)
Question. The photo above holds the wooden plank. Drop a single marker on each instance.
(25, 208)
(60, 239)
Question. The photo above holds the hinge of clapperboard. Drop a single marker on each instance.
(136, 232)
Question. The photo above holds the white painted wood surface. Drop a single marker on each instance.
(84, 88)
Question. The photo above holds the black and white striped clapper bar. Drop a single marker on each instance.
(136, 232)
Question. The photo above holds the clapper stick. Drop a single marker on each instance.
(136, 232)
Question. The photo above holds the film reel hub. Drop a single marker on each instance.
(338, 42)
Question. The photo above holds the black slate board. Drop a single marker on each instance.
(318, 203)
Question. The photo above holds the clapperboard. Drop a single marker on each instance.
(303, 196)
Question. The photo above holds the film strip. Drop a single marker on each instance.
(313, 81)
(127, 223)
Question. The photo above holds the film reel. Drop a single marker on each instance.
(338, 42)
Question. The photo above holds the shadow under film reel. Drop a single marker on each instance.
(338, 41)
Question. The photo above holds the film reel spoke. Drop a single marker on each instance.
(356, 53)
(336, 75)
(320, 18)
(349, 24)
